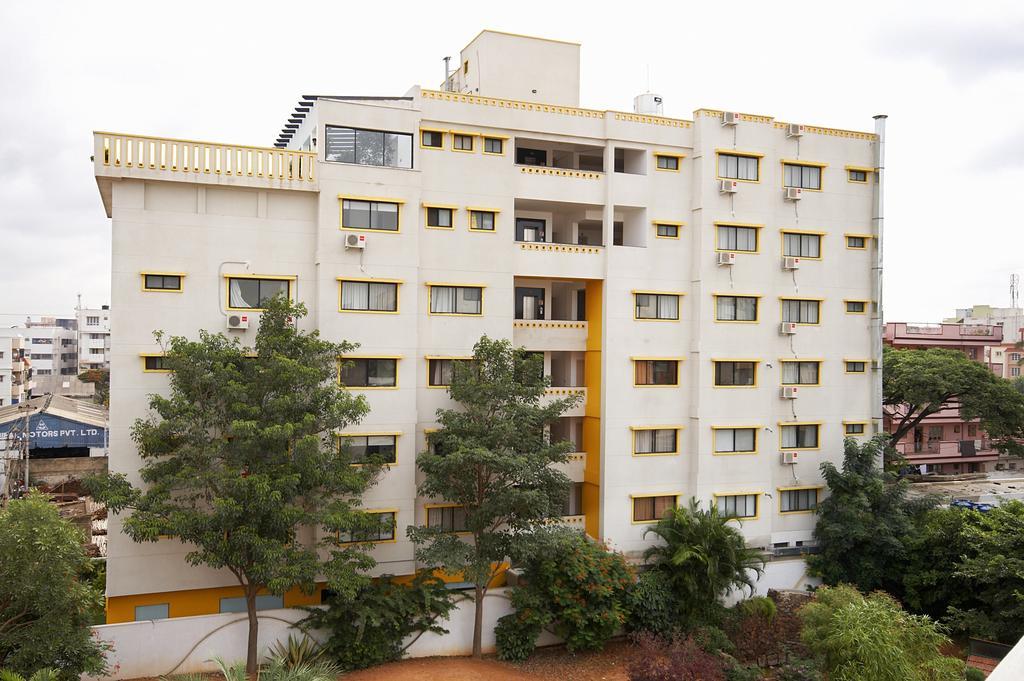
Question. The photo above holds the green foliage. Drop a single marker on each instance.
(45, 608)
(758, 606)
(743, 672)
(918, 383)
(517, 636)
(45, 674)
(241, 455)
(973, 674)
(296, 651)
(101, 379)
(368, 627)
(798, 670)
(703, 557)
(934, 548)
(276, 669)
(493, 459)
(712, 639)
(652, 606)
(858, 638)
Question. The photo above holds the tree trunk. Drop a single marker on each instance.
(251, 660)
(478, 622)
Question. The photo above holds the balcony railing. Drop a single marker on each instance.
(946, 448)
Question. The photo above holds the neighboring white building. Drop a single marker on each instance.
(52, 344)
(93, 337)
(710, 286)
(15, 382)
(1011, 319)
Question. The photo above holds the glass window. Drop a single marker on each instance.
(440, 371)
(801, 311)
(155, 364)
(574, 502)
(448, 518)
(652, 508)
(381, 530)
(439, 217)
(655, 441)
(656, 371)
(854, 428)
(481, 220)
(855, 306)
(494, 145)
(379, 215)
(804, 177)
(92, 321)
(163, 282)
(738, 505)
(734, 167)
(734, 440)
(667, 162)
(736, 309)
(733, 238)
(365, 372)
(462, 142)
(735, 373)
(368, 147)
(794, 500)
(253, 294)
(856, 242)
(378, 448)
(668, 231)
(369, 296)
(263, 602)
(855, 367)
(160, 611)
(800, 373)
(432, 138)
(801, 245)
(800, 436)
(656, 306)
(857, 175)
(456, 300)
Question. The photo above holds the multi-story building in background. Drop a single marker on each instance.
(52, 343)
(1010, 318)
(93, 337)
(15, 371)
(710, 287)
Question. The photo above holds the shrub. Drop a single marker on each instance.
(678, 659)
(975, 674)
(713, 640)
(758, 606)
(516, 636)
(764, 633)
(652, 607)
(798, 670)
(742, 672)
(46, 674)
(296, 651)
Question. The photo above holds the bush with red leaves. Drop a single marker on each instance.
(679, 659)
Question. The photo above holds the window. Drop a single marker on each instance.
(798, 500)
(1015, 371)
(736, 167)
(737, 238)
(855, 175)
(97, 336)
(731, 374)
(252, 293)
(369, 296)
(856, 242)
(736, 308)
(439, 217)
(854, 428)
(42, 355)
(735, 440)
(655, 441)
(855, 366)
(448, 518)
(481, 220)
(456, 300)
(368, 147)
(656, 371)
(144, 613)
(1014, 356)
(574, 501)
(800, 311)
(161, 282)
(155, 363)
(432, 139)
(42, 341)
(800, 436)
(462, 142)
(263, 602)
(801, 245)
(648, 509)
(43, 372)
(92, 321)
(494, 145)
(801, 373)
(667, 162)
(804, 177)
(376, 215)
(856, 306)
(363, 448)
(369, 372)
(656, 306)
(382, 530)
(92, 351)
(737, 505)
(441, 370)
(666, 231)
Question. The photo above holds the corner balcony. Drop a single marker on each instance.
(559, 392)
(549, 334)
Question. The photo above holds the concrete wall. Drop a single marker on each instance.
(55, 471)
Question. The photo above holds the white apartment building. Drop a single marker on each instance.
(93, 337)
(15, 384)
(52, 344)
(710, 286)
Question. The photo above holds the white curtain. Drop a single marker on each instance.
(383, 297)
(726, 308)
(353, 295)
(243, 293)
(668, 307)
(442, 298)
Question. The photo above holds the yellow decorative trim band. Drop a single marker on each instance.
(560, 247)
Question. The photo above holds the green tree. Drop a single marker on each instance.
(704, 557)
(919, 383)
(492, 458)
(864, 520)
(871, 638)
(241, 455)
(101, 379)
(44, 606)
(935, 547)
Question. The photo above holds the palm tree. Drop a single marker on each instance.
(703, 557)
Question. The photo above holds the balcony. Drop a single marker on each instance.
(901, 334)
(549, 315)
(947, 451)
(561, 392)
(549, 334)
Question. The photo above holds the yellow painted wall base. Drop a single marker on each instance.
(190, 602)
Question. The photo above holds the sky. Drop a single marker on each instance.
(950, 76)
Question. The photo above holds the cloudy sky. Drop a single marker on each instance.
(950, 76)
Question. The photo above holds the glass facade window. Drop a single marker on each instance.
(163, 282)
(801, 245)
(794, 500)
(856, 306)
(856, 242)
(155, 364)
(481, 220)
(494, 145)
(855, 367)
(667, 162)
(853, 428)
(800, 436)
(801, 373)
(655, 441)
(376, 448)
(439, 217)
(432, 138)
(440, 371)
(857, 175)
(462, 142)
(368, 147)
(668, 231)
(382, 529)
(448, 518)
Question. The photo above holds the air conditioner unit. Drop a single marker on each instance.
(730, 118)
(787, 328)
(355, 241)
(793, 193)
(789, 392)
(728, 186)
(790, 262)
(727, 258)
(238, 321)
(794, 130)
(790, 458)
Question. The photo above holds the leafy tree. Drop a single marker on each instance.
(44, 606)
(934, 548)
(871, 638)
(918, 383)
(863, 522)
(492, 459)
(101, 379)
(704, 557)
(241, 455)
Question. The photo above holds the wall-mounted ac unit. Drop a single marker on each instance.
(787, 328)
(355, 241)
(790, 458)
(728, 186)
(727, 258)
(790, 262)
(238, 321)
(794, 130)
(730, 118)
(789, 392)
(793, 193)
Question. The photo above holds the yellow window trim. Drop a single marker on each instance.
(483, 209)
(273, 277)
(180, 289)
(444, 136)
(373, 280)
(426, 216)
(757, 440)
(856, 423)
(371, 356)
(805, 164)
(647, 359)
(867, 174)
(469, 133)
(504, 144)
(678, 157)
(424, 128)
(379, 199)
(786, 230)
(671, 223)
(430, 289)
(757, 373)
(669, 154)
(449, 283)
(632, 507)
(472, 139)
(737, 152)
(679, 230)
(783, 424)
(144, 355)
(865, 237)
(755, 320)
(634, 429)
(863, 169)
(370, 280)
(397, 359)
(867, 305)
(782, 301)
(795, 360)
(660, 293)
(748, 225)
(276, 277)
(846, 370)
(744, 154)
(452, 357)
(679, 377)
(821, 238)
(757, 503)
(798, 162)
(374, 511)
(439, 205)
(817, 497)
(476, 209)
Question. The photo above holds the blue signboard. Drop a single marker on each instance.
(46, 430)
